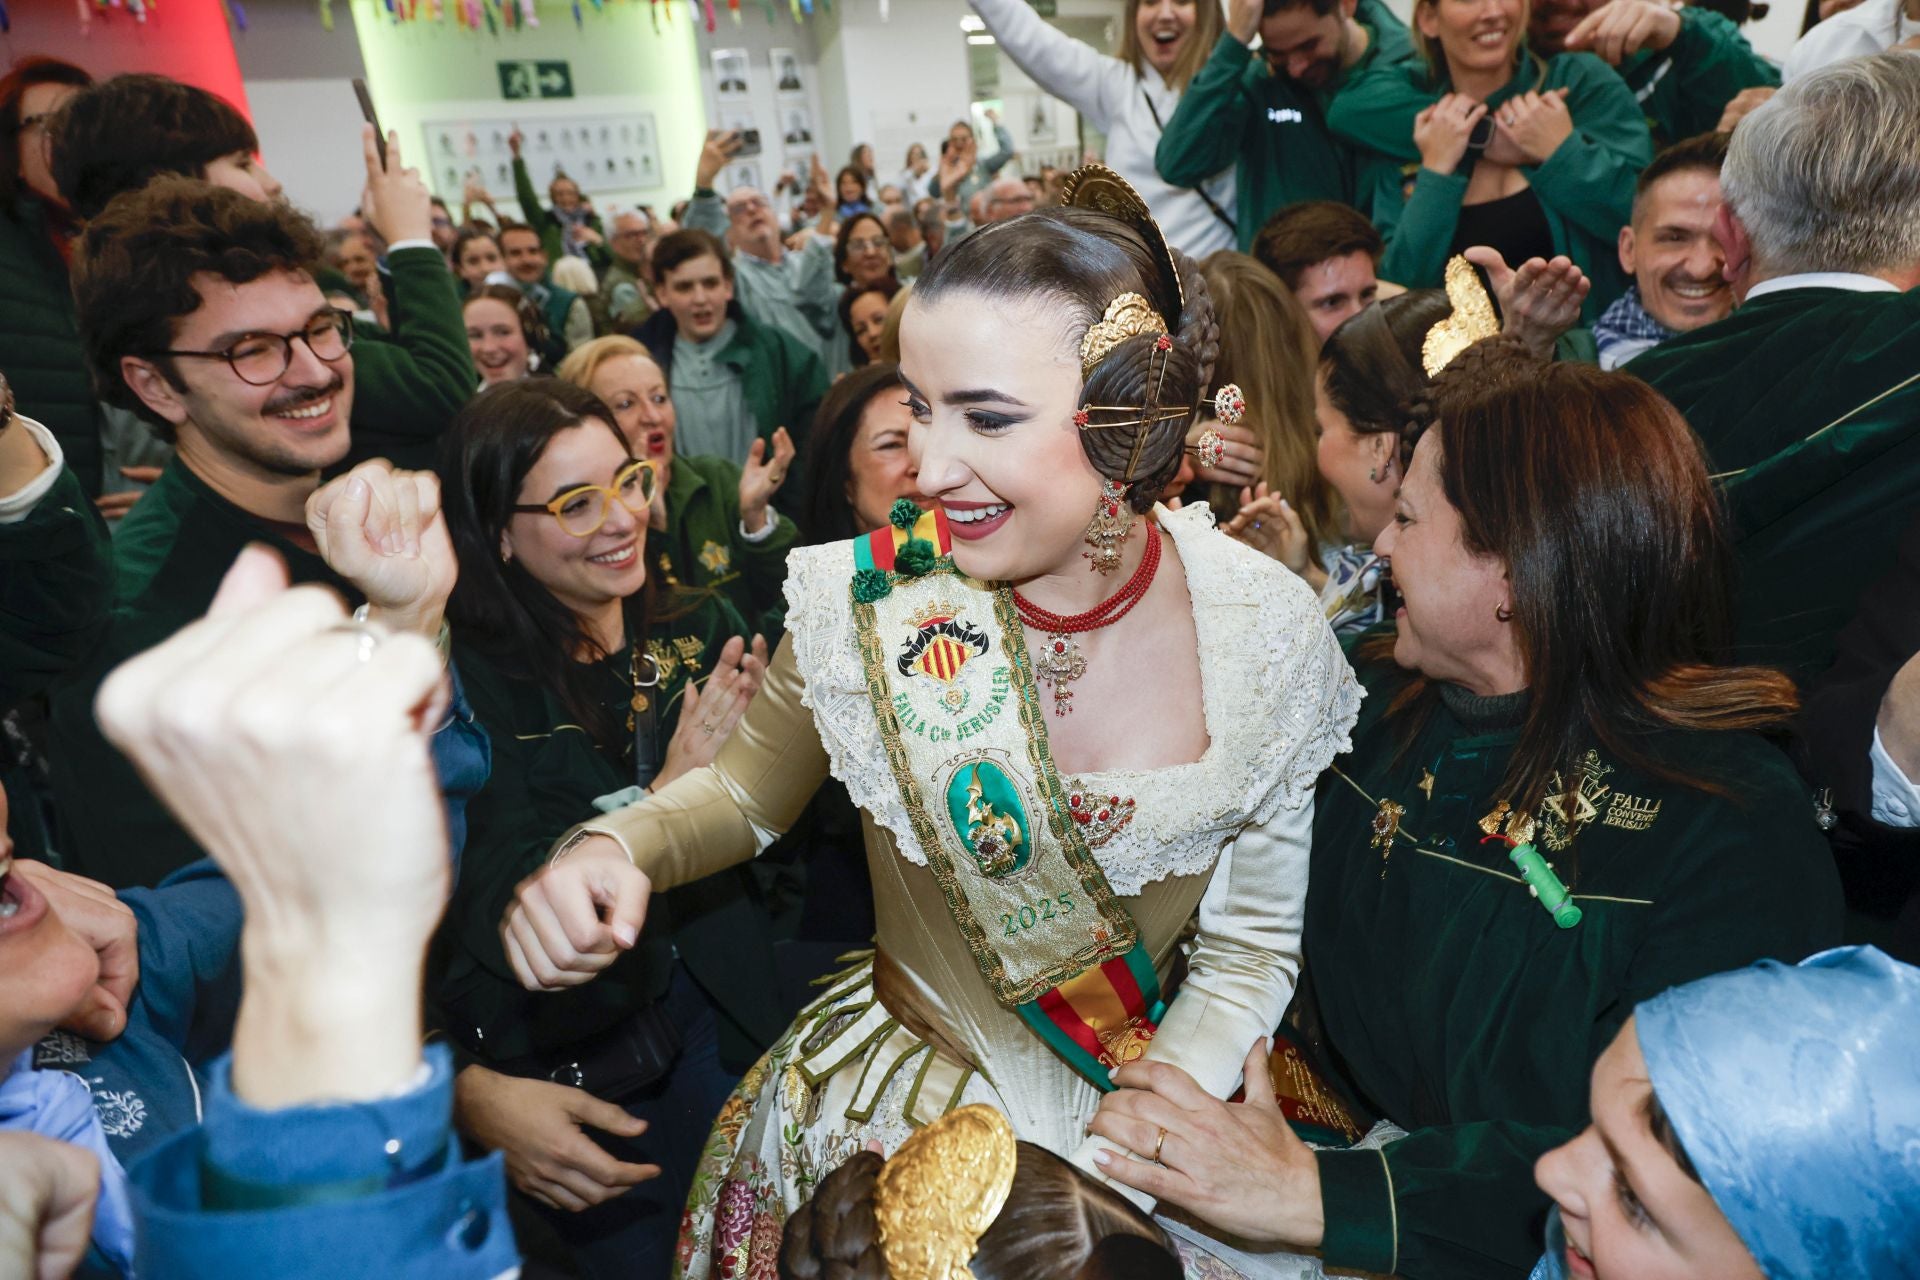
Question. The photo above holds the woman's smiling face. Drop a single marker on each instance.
(993, 385)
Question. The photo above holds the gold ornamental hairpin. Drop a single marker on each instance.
(1127, 316)
(1472, 319)
(940, 1192)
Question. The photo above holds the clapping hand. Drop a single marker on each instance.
(383, 531)
(1269, 524)
(1540, 301)
(761, 477)
(955, 164)
(708, 715)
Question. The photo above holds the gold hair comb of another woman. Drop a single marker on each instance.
(1472, 319)
(941, 1191)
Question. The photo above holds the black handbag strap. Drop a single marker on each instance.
(1206, 199)
(649, 752)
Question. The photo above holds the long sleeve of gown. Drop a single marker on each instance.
(730, 811)
(1244, 962)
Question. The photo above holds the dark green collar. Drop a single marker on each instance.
(1484, 713)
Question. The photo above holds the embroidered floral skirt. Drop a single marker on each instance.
(846, 1073)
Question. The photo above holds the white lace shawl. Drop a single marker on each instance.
(1279, 697)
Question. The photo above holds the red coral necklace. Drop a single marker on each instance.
(1060, 661)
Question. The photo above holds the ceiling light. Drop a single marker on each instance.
(981, 40)
(972, 22)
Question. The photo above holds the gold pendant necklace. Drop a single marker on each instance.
(1060, 663)
(638, 703)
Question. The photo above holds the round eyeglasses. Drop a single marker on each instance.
(580, 512)
(259, 359)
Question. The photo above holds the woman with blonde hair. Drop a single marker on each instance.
(1530, 157)
(716, 526)
(1129, 97)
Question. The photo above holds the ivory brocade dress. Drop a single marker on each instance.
(1222, 842)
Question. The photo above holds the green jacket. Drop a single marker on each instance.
(1585, 187)
(1809, 409)
(56, 587)
(169, 555)
(781, 381)
(543, 220)
(1684, 88)
(1451, 1004)
(701, 546)
(410, 381)
(1238, 114)
(546, 775)
(40, 336)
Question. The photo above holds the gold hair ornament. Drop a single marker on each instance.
(1146, 414)
(1472, 319)
(941, 1191)
(1127, 316)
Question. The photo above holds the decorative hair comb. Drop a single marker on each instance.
(1127, 316)
(1472, 319)
(941, 1191)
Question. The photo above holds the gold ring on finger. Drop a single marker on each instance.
(1159, 1142)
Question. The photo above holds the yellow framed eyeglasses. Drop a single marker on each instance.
(581, 512)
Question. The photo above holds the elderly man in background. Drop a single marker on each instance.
(1807, 397)
(628, 292)
(786, 284)
(1008, 196)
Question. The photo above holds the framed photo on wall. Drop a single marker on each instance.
(730, 73)
(786, 71)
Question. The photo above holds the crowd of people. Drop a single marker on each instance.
(1335, 693)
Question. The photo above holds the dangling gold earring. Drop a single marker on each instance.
(1107, 531)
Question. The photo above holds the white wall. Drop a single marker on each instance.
(891, 82)
(298, 77)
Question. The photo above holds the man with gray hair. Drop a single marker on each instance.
(1808, 396)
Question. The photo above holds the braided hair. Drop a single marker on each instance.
(1083, 260)
(835, 1235)
(1058, 1224)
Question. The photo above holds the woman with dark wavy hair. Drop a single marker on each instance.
(592, 683)
(1559, 802)
(978, 675)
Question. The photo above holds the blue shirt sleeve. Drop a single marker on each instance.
(368, 1188)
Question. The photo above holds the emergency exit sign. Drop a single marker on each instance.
(1045, 8)
(535, 80)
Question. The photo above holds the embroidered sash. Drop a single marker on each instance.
(951, 684)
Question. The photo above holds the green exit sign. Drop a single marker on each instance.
(535, 80)
(1045, 8)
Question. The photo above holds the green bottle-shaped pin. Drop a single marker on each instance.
(1544, 885)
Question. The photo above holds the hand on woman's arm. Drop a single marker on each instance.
(1235, 1165)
